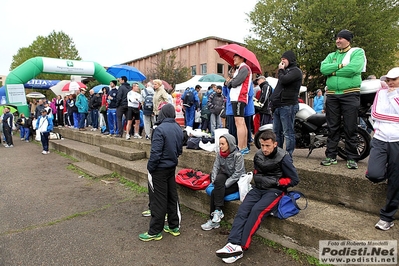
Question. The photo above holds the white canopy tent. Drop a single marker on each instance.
(193, 82)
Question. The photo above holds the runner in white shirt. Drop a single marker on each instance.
(133, 101)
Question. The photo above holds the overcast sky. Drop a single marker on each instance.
(113, 32)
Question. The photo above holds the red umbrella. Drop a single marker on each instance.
(73, 86)
(166, 85)
(227, 52)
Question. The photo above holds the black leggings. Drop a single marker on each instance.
(220, 191)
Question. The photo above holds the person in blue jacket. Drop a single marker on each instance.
(83, 108)
(318, 102)
(190, 105)
(44, 125)
(166, 147)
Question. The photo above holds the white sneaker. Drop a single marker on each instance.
(22, 139)
(232, 259)
(217, 216)
(127, 136)
(228, 251)
(209, 225)
(44, 152)
(137, 136)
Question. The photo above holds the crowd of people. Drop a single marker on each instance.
(232, 106)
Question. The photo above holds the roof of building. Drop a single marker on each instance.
(184, 45)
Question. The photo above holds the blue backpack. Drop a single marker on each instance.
(188, 98)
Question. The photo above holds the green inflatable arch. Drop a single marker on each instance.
(34, 66)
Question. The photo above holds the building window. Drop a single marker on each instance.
(203, 69)
(193, 70)
(220, 69)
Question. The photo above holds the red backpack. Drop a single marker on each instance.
(196, 180)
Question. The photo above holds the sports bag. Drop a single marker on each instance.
(288, 207)
(193, 143)
(196, 180)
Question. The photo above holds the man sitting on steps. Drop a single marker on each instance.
(274, 172)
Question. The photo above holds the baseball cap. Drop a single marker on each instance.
(393, 73)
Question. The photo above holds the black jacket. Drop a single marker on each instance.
(166, 141)
(288, 85)
(95, 102)
(269, 169)
(121, 97)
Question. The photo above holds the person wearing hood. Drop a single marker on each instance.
(285, 100)
(227, 170)
(343, 69)
(166, 147)
(274, 172)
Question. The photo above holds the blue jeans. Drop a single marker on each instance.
(82, 120)
(283, 126)
(94, 118)
(76, 118)
(216, 122)
(24, 133)
(112, 122)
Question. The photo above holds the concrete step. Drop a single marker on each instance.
(333, 184)
(320, 221)
(126, 153)
(92, 169)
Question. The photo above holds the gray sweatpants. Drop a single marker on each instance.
(385, 158)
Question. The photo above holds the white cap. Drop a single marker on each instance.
(393, 73)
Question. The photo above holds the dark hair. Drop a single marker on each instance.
(268, 134)
(219, 87)
(124, 78)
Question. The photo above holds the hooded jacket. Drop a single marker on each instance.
(232, 165)
(166, 141)
(289, 83)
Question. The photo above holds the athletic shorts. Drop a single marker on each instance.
(133, 113)
(238, 108)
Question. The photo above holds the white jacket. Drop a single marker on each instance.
(385, 112)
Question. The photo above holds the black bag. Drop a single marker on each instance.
(208, 139)
(193, 143)
(288, 207)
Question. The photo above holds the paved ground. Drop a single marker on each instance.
(50, 216)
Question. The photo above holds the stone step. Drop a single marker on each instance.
(92, 169)
(320, 221)
(333, 184)
(126, 153)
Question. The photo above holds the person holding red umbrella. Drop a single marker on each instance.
(239, 83)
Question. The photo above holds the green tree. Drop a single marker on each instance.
(308, 27)
(167, 68)
(55, 45)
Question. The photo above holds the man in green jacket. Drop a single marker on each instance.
(343, 69)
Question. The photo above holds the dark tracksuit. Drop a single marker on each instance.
(122, 106)
(7, 127)
(166, 147)
(262, 200)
